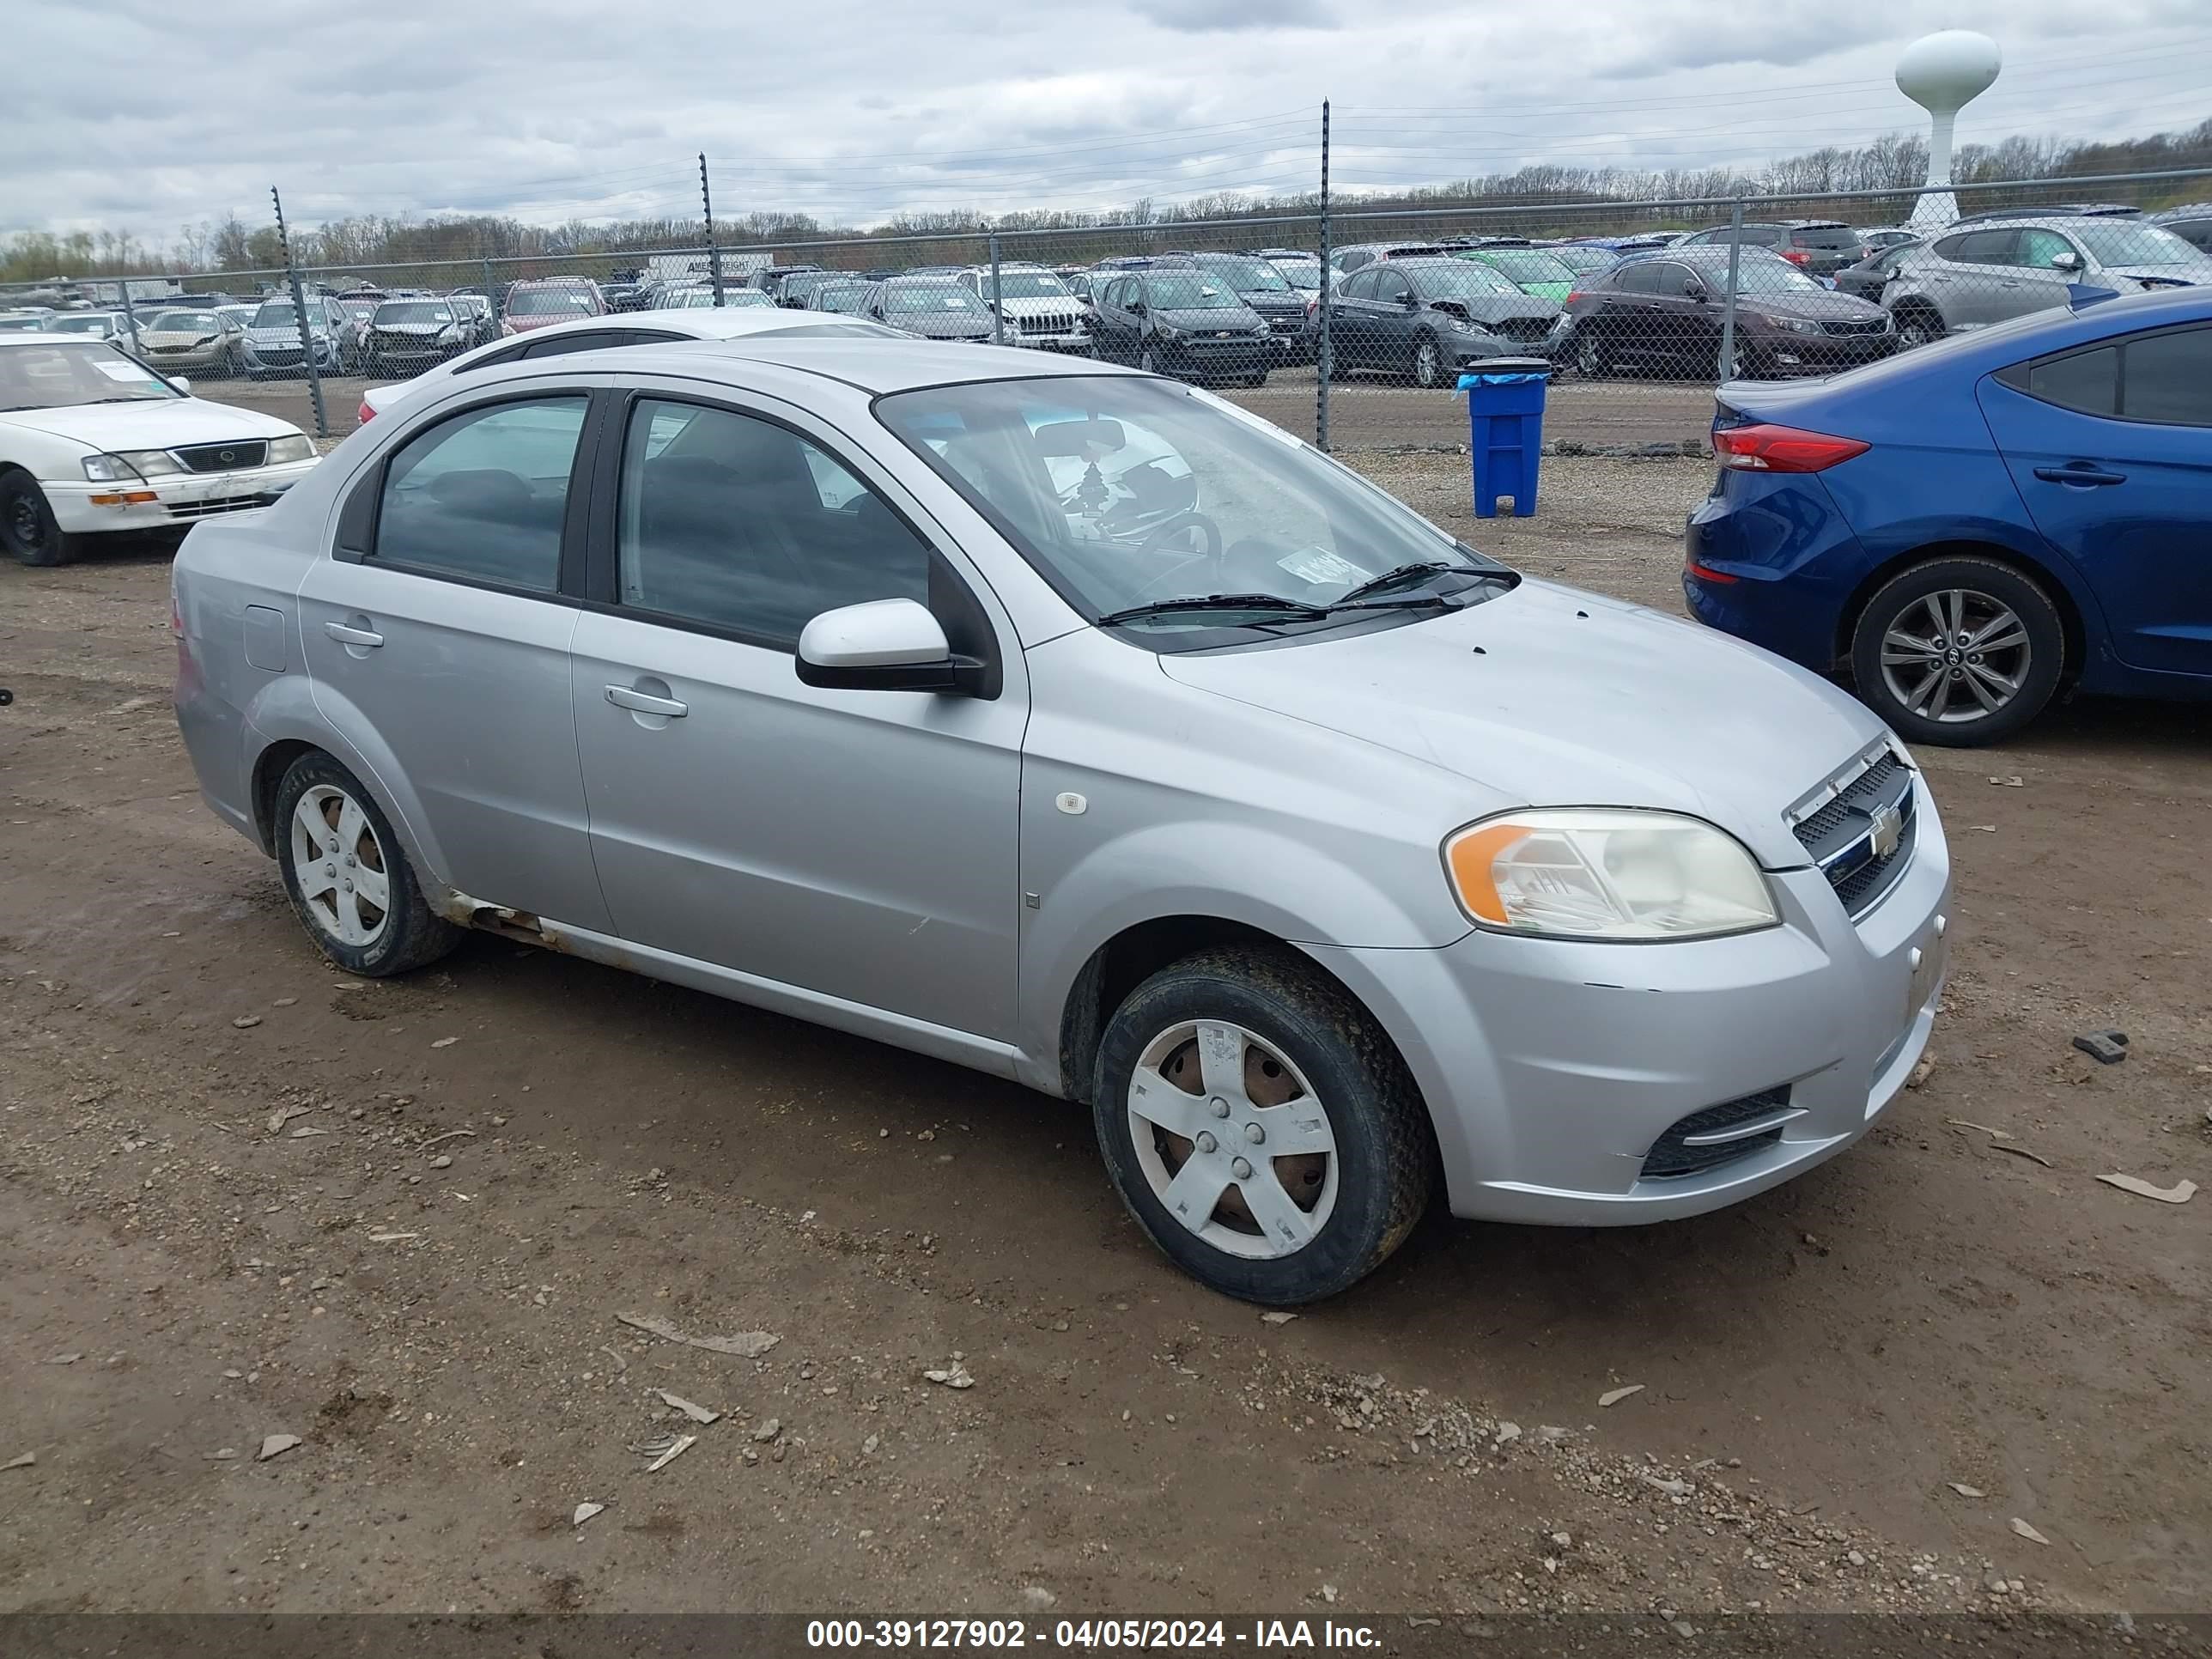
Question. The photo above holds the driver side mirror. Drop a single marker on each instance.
(2069, 260)
(883, 644)
(1695, 291)
(181, 383)
(1136, 307)
(1411, 302)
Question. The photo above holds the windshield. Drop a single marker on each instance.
(1189, 294)
(414, 312)
(82, 324)
(1462, 279)
(1027, 285)
(280, 316)
(1527, 264)
(908, 299)
(1126, 491)
(184, 322)
(71, 371)
(1248, 276)
(842, 297)
(550, 302)
(1583, 258)
(2118, 242)
(24, 322)
(1760, 276)
(1303, 274)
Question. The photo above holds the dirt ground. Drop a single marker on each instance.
(246, 1197)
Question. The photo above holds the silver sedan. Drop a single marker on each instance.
(1078, 726)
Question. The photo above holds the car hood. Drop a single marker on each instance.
(424, 330)
(951, 325)
(1037, 305)
(2181, 275)
(1271, 299)
(1551, 697)
(1236, 320)
(177, 337)
(1496, 308)
(1826, 306)
(149, 424)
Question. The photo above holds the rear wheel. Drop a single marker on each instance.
(1147, 361)
(1957, 651)
(349, 880)
(27, 526)
(1260, 1127)
(1258, 377)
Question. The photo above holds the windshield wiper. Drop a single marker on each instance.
(1274, 603)
(1398, 576)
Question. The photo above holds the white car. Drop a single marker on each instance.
(1040, 310)
(625, 329)
(91, 442)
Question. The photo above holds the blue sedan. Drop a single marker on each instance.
(1977, 526)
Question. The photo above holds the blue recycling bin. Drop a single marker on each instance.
(1505, 423)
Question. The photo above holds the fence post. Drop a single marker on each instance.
(998, 315)
(1724, 370)
(1324, 348)
(492, 295)
(714, 252)
(300, 316)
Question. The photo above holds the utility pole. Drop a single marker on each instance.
(713, 254)
(300, 316)
(1324, 349)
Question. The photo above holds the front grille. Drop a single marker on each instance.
(1283, 323)
(1854, 326)
(1052, 323)
(1840, 835)
(278, 354)
(1528, 330)
(223, 458)
(210, 508)
(1671, 1156)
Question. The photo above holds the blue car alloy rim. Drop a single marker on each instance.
(1955, 656)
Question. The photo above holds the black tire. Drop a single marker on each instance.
(1146, 361)
(1953, 716)
(1257, 378)
(409, 935)
(27, 528)
(1384, 1155)
(1918, 326)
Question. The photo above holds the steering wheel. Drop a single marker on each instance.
(1211, 555)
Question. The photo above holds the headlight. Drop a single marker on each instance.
(1166, 333)
(1795, 325)
(296, 448)
(127, 463)
(1607, 873)
(1462, 328)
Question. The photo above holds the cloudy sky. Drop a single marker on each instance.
(144, 115)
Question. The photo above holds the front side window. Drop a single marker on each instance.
(2039, 249)
(1391, 288)
(482, 496)
(1360, 286)
(742, 524)
(1127, 492)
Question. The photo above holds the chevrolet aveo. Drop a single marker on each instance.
(1071, 724)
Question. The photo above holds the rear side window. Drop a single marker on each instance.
(2164, 378)
(482, 496)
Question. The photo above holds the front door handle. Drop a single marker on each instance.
(2081, 473)
(645, 703)
(347, 635)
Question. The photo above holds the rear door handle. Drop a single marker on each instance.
(2084, 473)
(645, 703)
(346, 636)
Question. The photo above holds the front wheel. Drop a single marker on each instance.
(1428, 364)
(1258, 377)
(348, 878)
(1260, 1127)
(1147, 361)
(1917, 326)
(27, 526)
(1590, 358)
(1959, 650)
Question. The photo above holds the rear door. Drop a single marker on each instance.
(1978, 280)
(1681, 331)
(2110, 446)
(438, 634)
(1393, 319)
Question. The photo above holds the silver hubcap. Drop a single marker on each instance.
(1233, 1140)
(1145, 361)
(1955, 656)
(1425, 364)
(1586, 355)
(344, 879)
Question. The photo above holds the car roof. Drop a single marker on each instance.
(875, 366)
(2186, 210)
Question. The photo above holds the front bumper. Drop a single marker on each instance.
(289, 359)
(1553, 1069)
(1823, 353)
(179, 498)
(1240, 354)
(192, 359)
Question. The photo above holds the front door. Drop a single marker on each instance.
(858, 844)
(2110, 447)
(437, 632)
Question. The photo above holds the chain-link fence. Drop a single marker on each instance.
(1352, 327)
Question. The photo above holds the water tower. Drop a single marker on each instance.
(1942, 73)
